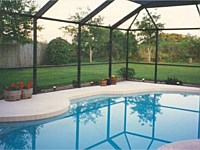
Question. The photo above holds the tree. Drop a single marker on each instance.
(95, 40)
(119, 45)
(192, 45)
(178, 47)
(147, 37)
(100, 43)
(170, 46)
(133, 46)
(14, 28)
(88, 33)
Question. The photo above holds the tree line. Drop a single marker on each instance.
(95, 41)
(142, 44)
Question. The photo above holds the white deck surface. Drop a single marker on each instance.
(182, 145)
(51, 104)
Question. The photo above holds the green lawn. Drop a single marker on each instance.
(47, 77)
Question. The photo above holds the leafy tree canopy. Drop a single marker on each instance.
(15, 28)
(147, 38)
(95, 40)
(178, 47)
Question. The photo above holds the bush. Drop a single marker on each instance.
(74, 83)
(173, 81)
(59, 52)
(122, 72)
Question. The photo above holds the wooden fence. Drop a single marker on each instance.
(19, 56)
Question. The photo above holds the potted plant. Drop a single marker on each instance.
(13, 91)
(103, 82)
(113, 79)
(27, 90)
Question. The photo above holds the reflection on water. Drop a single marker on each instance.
(144, 106)
(144, 121)
(18, 137)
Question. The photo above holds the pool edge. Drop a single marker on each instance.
(48, 105)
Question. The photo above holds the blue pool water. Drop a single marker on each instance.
(145, 121)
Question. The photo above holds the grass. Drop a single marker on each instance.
(47, 77)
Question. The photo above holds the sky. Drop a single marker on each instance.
(172, 17)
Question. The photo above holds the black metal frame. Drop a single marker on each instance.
(110, 53)
(42, 11)
(82, 22)
(143, 5)
(79, 57)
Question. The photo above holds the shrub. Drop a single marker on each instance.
(74, 83)
(122, 72)
(59, 52)
(173, 81)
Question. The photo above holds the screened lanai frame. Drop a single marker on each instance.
(144, 5)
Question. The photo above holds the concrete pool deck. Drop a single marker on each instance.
(193, 144)
(46, 105)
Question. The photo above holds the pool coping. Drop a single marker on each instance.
(192, 144)
(47, 105)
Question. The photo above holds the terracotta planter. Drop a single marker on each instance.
(114, 80)
(102, 82)
(12, 95)
(27, 93)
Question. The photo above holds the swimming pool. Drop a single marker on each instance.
(139, 121)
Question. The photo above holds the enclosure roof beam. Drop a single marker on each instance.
(198, 9)
(151, 18)
(94, 25)
(133, 21)
(165, 3)
(96, 11)
(137, 10)
(45, 8)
